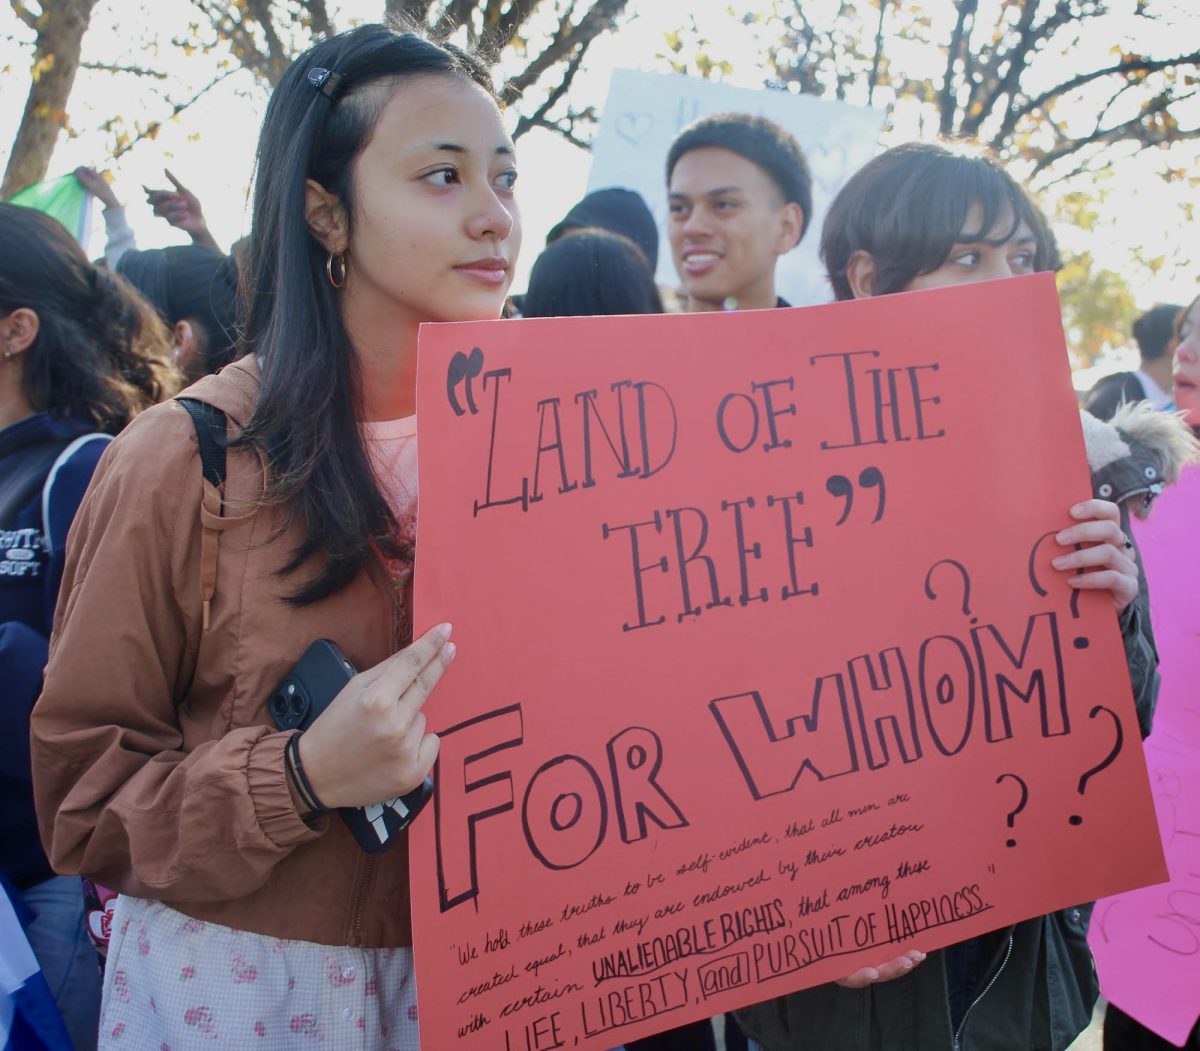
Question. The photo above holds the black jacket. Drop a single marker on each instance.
(45, 467)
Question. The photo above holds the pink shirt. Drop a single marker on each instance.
(392, 451)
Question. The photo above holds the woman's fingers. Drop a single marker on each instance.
(1103, 561)
(372, 742)
(400, 670)
(896, 968)
(1096, 509)
(1099, 555)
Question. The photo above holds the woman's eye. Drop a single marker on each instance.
(443, 177)
(507, 180)
(1023, 261)
(967, 258)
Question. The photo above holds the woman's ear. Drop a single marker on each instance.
(326, 217)
(185, 346)
(18, 330)
(860, 274)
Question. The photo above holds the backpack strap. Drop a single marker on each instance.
(209, 422)
(210, 425)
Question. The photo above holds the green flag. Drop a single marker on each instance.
(65, 199)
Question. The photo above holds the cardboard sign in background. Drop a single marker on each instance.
(645, 111)
(764, 674)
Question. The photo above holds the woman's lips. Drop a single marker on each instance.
(486, 271)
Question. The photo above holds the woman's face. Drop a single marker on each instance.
(974, 258)
(1187, 365)
(435, 230)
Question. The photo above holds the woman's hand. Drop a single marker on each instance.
(370, 744)
(1106, 562)
(896, 968)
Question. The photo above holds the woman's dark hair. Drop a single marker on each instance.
(193, 282)
(100, 354)
(907, 207)
(591, 272)
(320, 118)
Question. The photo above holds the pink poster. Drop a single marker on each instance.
(1147, 942)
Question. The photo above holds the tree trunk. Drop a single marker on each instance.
(60, 30)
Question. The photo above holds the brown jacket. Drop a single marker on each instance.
(156, 769)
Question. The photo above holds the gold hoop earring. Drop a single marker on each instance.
(341, 263)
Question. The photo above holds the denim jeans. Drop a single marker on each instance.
(69, 963)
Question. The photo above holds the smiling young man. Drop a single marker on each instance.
(739, 197)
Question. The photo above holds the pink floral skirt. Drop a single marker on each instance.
(173, 983)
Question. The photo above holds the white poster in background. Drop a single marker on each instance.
(645, 111)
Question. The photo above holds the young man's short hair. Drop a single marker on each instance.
(762, 142)
(906, 209)
(1154, 331)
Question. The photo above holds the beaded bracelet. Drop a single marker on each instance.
(292, 758)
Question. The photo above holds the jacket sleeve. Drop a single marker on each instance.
(22, 658)
(1142, 658)
(118, 797)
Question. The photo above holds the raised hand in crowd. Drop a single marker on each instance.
(181, 208)
(97, 184)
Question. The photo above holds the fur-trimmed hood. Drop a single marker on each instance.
(1135, 456)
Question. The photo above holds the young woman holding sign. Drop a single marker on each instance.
(384, 199)
(920, 216)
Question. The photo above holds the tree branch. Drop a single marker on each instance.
(946, 101)
(240, 39)
(151, 129)
(137, 71)
(24, 14)
(455, 14)
(318, 15)
(407, 12)
(599, 17)
(1139, 65)
(873, 76)
(538, 118)
(997, 86)
(1136, 129)
(513, 18)
(277, 54)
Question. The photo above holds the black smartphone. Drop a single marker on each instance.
(303, 694)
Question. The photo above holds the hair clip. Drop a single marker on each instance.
(326, 81)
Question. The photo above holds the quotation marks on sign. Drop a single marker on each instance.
(966, 584)
(1104, 763)
(842, 488)
(463, 369)
(1011, 819)
(1080, 642)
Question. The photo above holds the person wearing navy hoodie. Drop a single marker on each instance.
(80, 355)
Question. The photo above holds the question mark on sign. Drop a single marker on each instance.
(966, 584)
(1080, 642)
(1012, 815)
(1091, 772)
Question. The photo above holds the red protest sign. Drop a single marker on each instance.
(764, 674)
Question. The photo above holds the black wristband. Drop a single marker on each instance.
(292, 757)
